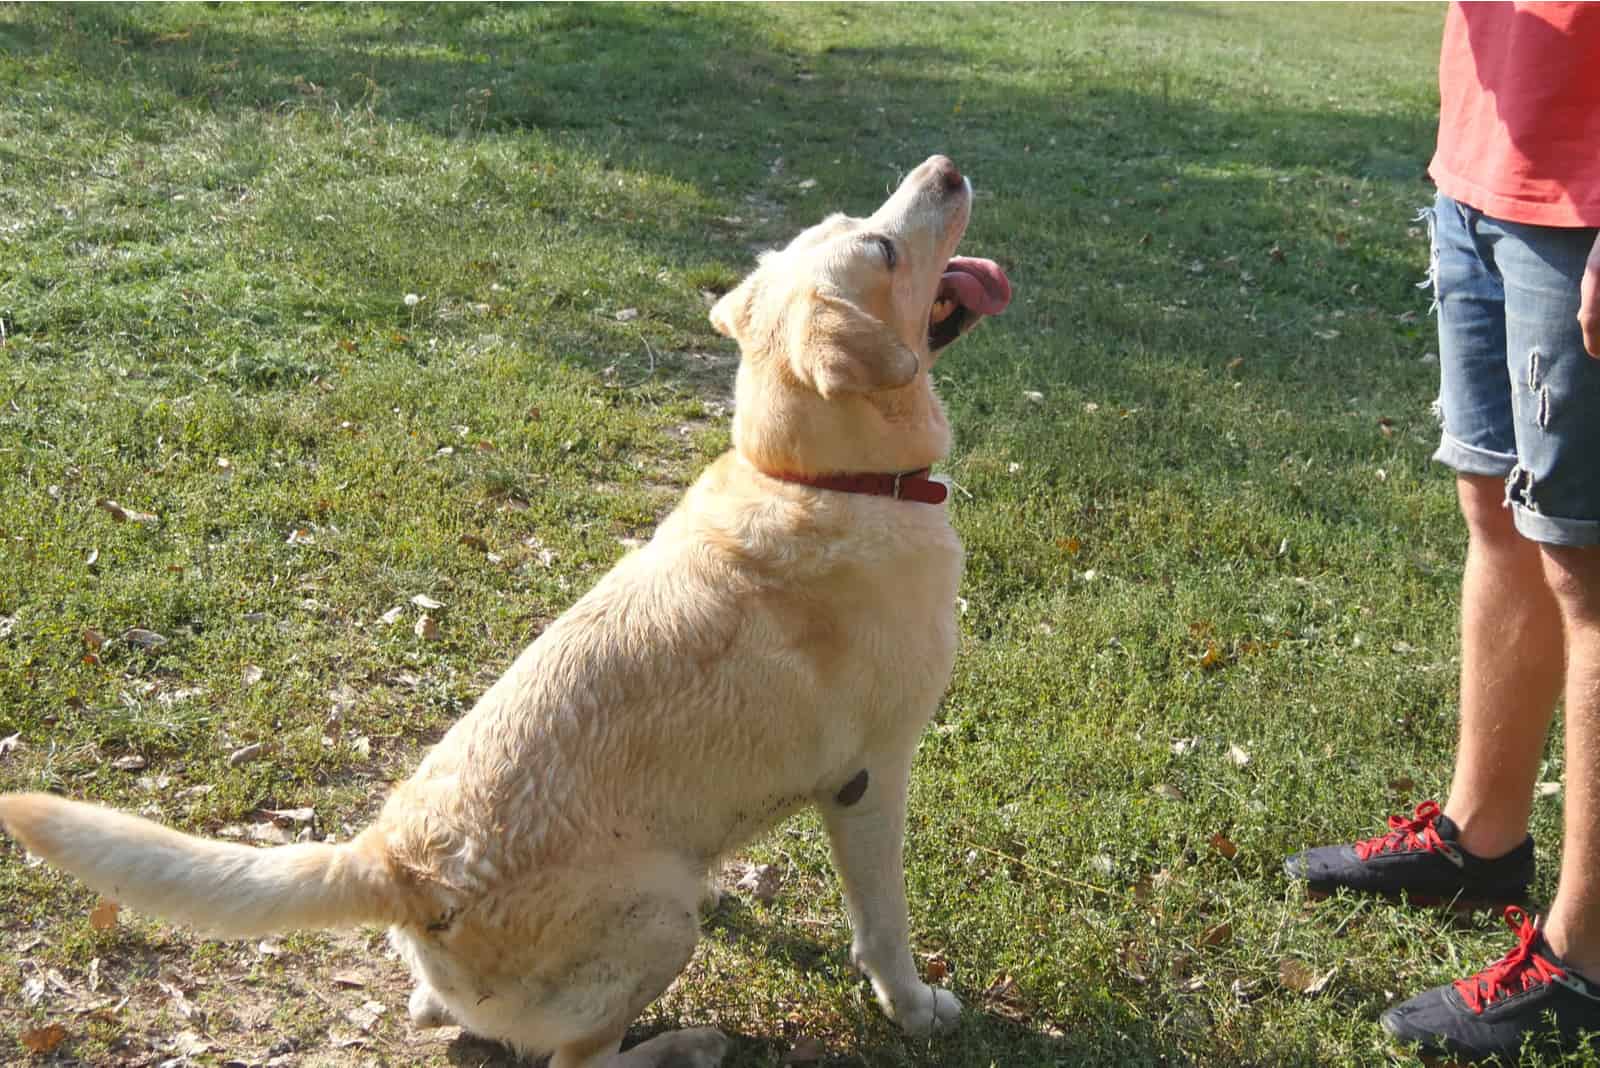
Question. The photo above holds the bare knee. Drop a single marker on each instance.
(1573, 575)
(1489, 521)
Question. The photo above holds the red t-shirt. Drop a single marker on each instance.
(1519, 111)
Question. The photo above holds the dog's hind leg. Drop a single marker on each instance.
(635, 943)
(697, 1047)
(866, 821)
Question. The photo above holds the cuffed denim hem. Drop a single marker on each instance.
(1470, 460)
(1551, 530)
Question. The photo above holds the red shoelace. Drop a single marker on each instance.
(1408, 835)
(1519, 970)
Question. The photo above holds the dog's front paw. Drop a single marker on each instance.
(931, 1010)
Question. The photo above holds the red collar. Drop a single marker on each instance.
(906, 486)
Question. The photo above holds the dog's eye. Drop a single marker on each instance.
(890, 255)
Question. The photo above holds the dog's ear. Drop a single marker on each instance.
(730, 315)
(839, 347)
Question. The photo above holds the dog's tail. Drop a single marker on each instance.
(233, 891)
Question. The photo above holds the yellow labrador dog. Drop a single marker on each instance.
(781, 641)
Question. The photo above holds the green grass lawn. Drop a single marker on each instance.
(1209, 609)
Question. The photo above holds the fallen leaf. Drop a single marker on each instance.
(347, 979)
(10, 744)
(292, 815)
(93, 639)
(1184, 746)
(1545, 789)
(144, 639)
(937, 970)
(1218, 934)
(125, 515)
(268, 834)
(1238, 755)
(131, 762)
(473, 541)
(426, 629)
(392, 616)
(269, 948)
(1167, 792)
(253, 674)
(1402, 785)
(761, 882)
(246, 753)
(104, 916)
(362, 747)
(626, 315)
(1235, 363)
(1298, 976)
(43, 1039)
(180, 1001)
(1033, 396)
(1224, 845)
(426, 603)
(191, 1044)
(300, 536)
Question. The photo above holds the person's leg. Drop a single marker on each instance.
(1511, 672)
(1547, 989)
(1476, 851)
(1573, 926)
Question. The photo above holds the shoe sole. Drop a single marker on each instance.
(1424, 901)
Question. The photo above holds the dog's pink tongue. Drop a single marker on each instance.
(979, 285)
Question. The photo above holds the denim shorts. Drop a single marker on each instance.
(1519, 398)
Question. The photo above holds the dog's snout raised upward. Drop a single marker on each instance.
(941, 172)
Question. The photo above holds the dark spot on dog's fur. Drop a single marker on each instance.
(851, 791)
(443, 923)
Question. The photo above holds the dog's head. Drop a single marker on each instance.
(837, 332)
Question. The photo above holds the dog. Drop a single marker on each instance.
(781, 641)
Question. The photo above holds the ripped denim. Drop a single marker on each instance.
(1519, 398)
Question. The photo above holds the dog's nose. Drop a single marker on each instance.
(946, 173)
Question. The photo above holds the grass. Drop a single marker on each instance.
(1209, 607)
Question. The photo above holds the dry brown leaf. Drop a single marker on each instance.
(92, 639)
(761, 882)
(1167, 792)
(937, 969)
(180, 1002)
(43, 1039)
(473, 541)
(427, 629)
(125, 515)
(1218, 934)
(131, 762)
(144, 639)
(1224, 845)
(347, 979)
(1295, 974)
(246, 753)
(104, 916)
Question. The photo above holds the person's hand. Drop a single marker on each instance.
(1589, 301)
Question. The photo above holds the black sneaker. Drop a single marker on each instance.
(1528, 995)
(1421, 859)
